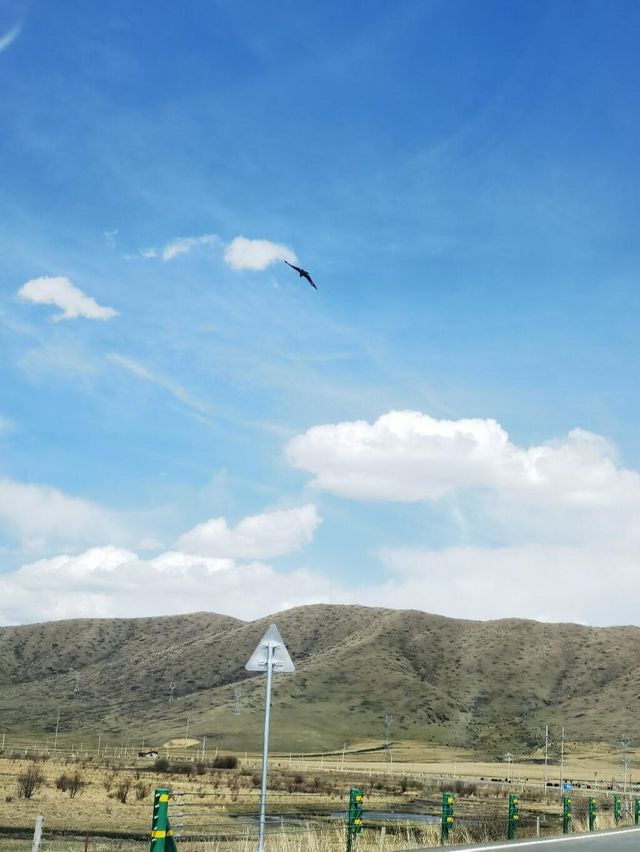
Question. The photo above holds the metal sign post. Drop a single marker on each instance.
(269, 656)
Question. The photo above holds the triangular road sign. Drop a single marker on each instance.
(280, 656)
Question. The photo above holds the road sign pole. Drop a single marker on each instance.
(270, 655)
(265, 749)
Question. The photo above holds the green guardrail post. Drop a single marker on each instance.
(447, 816)
(617, 809)
(636, 811)
(161, 834)
(356, 809)
(593, 810)
(566, 814)
(514, 816)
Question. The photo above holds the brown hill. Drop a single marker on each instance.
(483, 684)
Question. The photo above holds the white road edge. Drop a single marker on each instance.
(572, 838)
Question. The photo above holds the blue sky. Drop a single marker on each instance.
(461, 180)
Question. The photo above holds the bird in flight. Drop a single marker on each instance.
(303, 273)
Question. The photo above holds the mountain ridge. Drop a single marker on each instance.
(474, 683)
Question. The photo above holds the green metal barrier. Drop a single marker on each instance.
(447, 816)
(566, 814)
(161, 835)
(617, 809)
(356, 809)
(514, 816)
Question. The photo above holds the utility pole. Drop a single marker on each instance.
(508, 757)
(625, 742)
(388, 719)
(546, 757)
(55, 741)
(562, 758)
(186, 736)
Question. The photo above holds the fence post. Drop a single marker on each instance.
(514, 816)
(566, 814)
(37, 834)
(447, 816)
(161, 834)
(354, 824)
(593, 810)
(383, 833)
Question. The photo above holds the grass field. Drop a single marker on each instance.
(115, 796)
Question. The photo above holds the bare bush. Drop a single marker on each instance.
(122, 790)
(29, 781)
(141, 790)
(71, 784)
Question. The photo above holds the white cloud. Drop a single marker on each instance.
(563, 516)
(590, 583)
(59, 291)
(110, 582)
(242, 253)
(183, 245)
(39, 513)
(409, 456)
(256, 537)
(10, 36)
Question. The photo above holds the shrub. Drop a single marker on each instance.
(30, 781)
(225, 761)
(184, 768)
(122, 790)
(71, 784)
(162, 764)
(142, 791)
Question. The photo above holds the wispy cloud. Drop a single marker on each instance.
(59, 291)
(55, 360)
(168, 384)
(242, 253)
(9, 37)
(183, 245)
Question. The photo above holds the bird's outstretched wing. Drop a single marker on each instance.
(309, 279)
(303, 274)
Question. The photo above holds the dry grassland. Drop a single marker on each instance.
(312, 785)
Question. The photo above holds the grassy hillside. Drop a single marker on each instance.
(483, 684)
